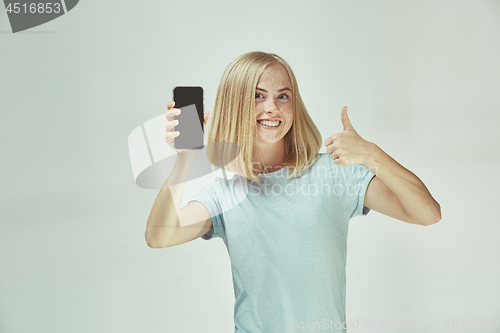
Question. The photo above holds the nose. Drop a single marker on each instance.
(270, 105)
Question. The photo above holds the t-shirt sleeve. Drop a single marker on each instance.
(209, 197)
(351, 182)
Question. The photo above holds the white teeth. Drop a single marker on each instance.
(269, 123)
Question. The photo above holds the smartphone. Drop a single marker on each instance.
(191, 127)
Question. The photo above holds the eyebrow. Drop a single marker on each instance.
(283, 89)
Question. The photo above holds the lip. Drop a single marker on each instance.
(270, 119)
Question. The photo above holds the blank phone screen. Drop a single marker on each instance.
(190, 101)
(191, 133)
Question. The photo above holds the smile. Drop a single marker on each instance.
(269, 124)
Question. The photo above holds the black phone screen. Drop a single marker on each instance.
(185, 97)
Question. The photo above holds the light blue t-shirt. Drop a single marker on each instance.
(287, 242)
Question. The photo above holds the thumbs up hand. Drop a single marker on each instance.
(347, 147)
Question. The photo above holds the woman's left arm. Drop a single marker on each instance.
(394, 191)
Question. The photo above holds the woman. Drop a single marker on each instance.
(284, 215)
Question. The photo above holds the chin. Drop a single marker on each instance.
(269, 140)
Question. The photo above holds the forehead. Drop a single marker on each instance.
(275, 74)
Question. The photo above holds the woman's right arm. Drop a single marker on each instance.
(163, 228)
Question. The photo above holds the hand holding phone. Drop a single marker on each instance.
(171, 133)
(191, 119)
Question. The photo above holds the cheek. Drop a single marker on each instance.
(289, 117)
(289, 123)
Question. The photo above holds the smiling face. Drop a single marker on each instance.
(273, 101)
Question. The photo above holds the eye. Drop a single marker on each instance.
(286, 96)
(257, 95)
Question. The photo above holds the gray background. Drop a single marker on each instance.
(420, 78)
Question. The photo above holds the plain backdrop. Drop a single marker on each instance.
(421, 79)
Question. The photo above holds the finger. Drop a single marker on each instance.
(170, 105)
(333, 146)
(206, 117)
(169, 137)
(172, 124)
(330, 140)
(338, 161)
(345, 119)
(171, 113)
(334, 156)
(334, 152)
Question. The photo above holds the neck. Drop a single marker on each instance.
(269, 157)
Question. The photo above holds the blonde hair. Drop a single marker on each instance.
(233, 126)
